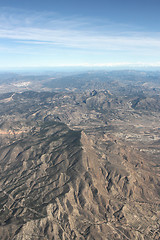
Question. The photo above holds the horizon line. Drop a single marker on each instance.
(118, 64)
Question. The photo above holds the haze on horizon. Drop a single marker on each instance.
(93, 33)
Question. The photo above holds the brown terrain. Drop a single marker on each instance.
(79, 165)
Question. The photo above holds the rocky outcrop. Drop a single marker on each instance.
(71, 169)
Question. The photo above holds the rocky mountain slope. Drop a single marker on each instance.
(79, 165)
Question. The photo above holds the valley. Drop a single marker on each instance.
(79, 156)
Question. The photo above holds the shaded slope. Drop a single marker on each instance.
(55, 184)
(98, 183)
(35, 170)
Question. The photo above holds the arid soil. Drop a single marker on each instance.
(79, 166)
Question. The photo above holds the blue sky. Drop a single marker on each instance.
(79, 33)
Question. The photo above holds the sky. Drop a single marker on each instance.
(48, 33)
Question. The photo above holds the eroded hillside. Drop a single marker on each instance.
(79, 166)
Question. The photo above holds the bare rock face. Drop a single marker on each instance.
(55, 185)
(78, 166)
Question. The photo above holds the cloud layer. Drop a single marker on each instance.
(31, 33)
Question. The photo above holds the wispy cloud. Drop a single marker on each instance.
(111, 64)
(76, 33)
(80, 38)
(51, 31)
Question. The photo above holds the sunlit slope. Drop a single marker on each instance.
(56, 184)
(80, 165)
